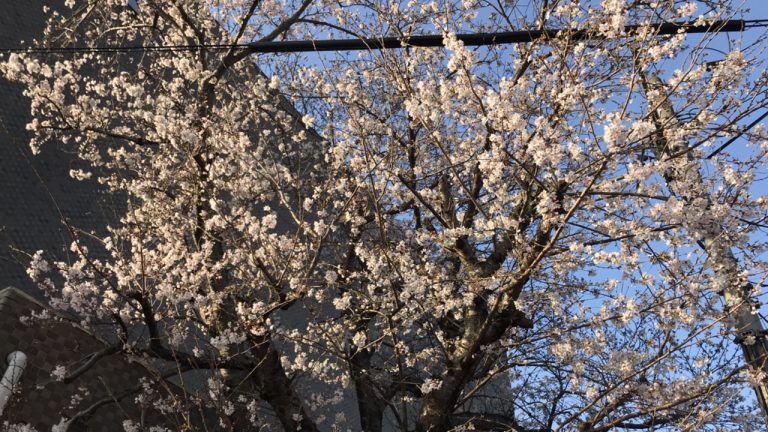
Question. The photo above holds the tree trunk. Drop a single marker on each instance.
(277, 390)
(369, 402)
(437, 406)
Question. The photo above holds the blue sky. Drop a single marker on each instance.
(759, 9)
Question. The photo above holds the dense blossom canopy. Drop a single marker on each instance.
(522, 237)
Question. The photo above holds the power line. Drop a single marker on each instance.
(737, 136)
(478, 39)
(382, 43)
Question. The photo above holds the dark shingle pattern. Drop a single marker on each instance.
(43, 401)
(35, 190)
(36, 194)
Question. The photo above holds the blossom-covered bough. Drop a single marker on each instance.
(523, 237)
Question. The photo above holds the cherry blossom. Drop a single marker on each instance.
(526, 237)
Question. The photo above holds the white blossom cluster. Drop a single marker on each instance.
(415, 237)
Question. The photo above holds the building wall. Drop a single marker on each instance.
(36, 195)
(42, 401)
(36, 192)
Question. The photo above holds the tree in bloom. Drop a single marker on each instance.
(538, 237)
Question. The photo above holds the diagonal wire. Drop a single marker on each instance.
(732, 140)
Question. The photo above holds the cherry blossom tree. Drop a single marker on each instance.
(524, 237)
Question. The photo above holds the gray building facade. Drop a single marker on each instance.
(37, 201)
(36, 192)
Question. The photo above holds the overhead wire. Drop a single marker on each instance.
(391, 42)
(394, 42)
(737, 136)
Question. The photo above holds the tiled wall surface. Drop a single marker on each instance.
(43, 401)
(36, 192)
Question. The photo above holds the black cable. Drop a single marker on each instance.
(469, 39)
(756, 23)
(478, 39)
(732, 140)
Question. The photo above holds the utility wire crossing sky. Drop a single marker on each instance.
(374, 43)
